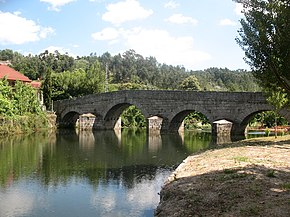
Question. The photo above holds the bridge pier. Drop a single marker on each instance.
(221, 128)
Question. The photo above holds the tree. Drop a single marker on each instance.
(25, 99)
(278, 99)
(133, 118)
(6, 104)
(47, 89)
(264, 37)
(96, 79)
(190, 83)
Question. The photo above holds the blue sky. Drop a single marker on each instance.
(197, 34)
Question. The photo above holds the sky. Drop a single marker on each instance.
(196, 34)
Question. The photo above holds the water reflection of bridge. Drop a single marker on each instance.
(153, 141)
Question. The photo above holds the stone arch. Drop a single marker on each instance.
(114, 105)
(243, 116)
(69, 119)
(176, 119)
(239, 128)
(112, 116)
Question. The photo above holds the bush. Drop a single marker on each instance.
(22, 124)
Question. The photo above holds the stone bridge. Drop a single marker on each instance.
(170, 106)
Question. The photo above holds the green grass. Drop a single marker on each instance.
(271, 174)
(240, 159)
(286, 186)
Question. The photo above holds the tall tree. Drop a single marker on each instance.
(47, 89)
(264, 37)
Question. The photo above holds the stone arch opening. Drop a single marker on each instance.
(124, 115)
(187, 119)
(263, 122)
(69, 120)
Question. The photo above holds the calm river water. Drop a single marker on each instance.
(89, 174)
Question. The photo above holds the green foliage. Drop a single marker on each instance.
(78, 82)
(20, 100)
(25, 99)
(195, 120)
(132, 86)
(267, 119)
(278, 98)
(271, 173)
(190, 83)
(127, 68)
(286, 186)
(19, 124)
(6, 103)
(19, 108)
(47, 89)
(240, 159)
(264, 37)
(267, 132)
(218, 79)
(133, 118)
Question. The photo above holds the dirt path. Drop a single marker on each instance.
(246, 178)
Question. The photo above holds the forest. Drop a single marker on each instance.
(124, 71)
(65, 76)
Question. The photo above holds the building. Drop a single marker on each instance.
(12, 76)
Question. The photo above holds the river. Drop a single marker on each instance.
(104, 173)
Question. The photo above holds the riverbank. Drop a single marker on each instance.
(245, 178)
(27, 123)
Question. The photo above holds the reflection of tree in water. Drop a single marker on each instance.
(196, 141)
(20, 156)
(108, 159)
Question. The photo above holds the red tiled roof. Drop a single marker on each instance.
(12, 74)
(36, 84)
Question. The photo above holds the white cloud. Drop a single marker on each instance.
(166, 48)
(171, 4)
(124, 11)
(160, 44)
(19, 30)
(52, 49)
(227, 22)
(61, 50)
(107, 202)
(16, 203)
(75, 45)
(106, 34)
(239, 9)
(56, 4)
(45, 32)
(181, 19)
